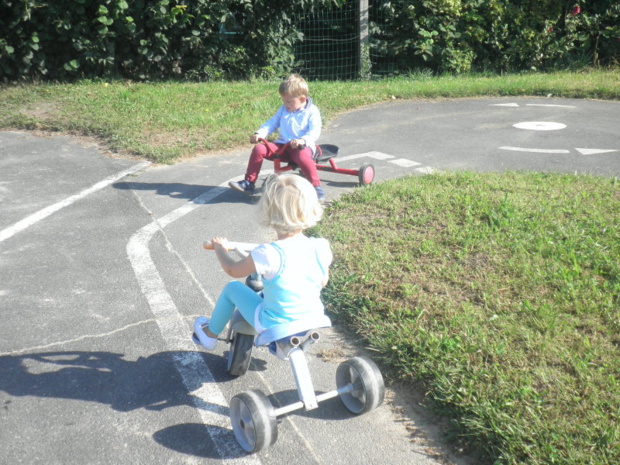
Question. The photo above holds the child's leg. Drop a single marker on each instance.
(303, 159)
(234, 295)
(259, 153)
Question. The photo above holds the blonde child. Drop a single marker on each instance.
(299, 123)
(294, 267)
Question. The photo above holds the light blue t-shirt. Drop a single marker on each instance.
(294, 271)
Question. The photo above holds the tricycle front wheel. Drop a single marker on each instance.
(240, 353)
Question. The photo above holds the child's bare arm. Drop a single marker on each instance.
(325, 279)
(234, 268)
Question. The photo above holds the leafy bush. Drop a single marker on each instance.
(147, 39)
(237, 39)
(457, 36)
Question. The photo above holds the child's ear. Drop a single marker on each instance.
(303, 99)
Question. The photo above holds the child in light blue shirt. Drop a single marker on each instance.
(294, 268)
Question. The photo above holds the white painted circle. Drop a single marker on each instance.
(539, 126)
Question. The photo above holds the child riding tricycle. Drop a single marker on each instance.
(282, 310)
(298, 125)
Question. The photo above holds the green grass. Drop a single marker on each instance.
(166, 121)
(499, 295)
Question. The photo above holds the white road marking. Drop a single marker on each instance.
(197, 378)
(44, 213)
(539, 126)
(531, 105)
(522, 149)
(404, 162)
(426, 170)
(548, 105)
(375, 155)
(595, 151)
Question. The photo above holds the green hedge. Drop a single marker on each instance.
(458, 36)
(142, 39)
(236, 39)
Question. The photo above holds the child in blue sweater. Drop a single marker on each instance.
(299, 123)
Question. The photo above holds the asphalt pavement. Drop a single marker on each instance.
(102, 274)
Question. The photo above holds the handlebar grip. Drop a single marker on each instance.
(240, 246)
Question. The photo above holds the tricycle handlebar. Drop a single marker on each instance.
(237, 246)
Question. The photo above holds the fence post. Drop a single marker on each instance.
(363, 59)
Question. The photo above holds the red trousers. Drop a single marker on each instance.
(301, 157)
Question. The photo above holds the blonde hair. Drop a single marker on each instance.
(290, 203)
(294, 85)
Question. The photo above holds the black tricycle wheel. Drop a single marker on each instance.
(240, 353)
(253, 421)
(368, 388)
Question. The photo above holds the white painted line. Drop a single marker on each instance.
(504, 105)
(539, 126)
(405, 163)
(426, 170)
(549, 105)
(375, 155)
(522, 149)
(595, 151)
(41, 214)
(197, 378)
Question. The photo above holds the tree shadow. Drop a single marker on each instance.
(152, 383)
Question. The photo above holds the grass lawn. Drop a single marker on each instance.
(165, 121)
(499, 296)
(496, 294)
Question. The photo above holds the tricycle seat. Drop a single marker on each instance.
(284, 338)
(292, 328)
(325, 151)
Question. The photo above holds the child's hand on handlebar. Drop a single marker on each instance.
(297, 143)
(221, 242)
(216, 241)
(254, 139)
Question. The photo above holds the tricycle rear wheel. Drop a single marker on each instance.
(253, 421)
(366, 383)
(366, 174)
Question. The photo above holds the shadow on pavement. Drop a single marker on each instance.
(152, 383)
(178, 190)
(195, 439)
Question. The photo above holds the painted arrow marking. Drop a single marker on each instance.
(581, 151)
(539, 126)
(521, 149)
(548, 105)
(516, 105)
(595, 151)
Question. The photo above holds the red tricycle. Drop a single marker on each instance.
(324, 153)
